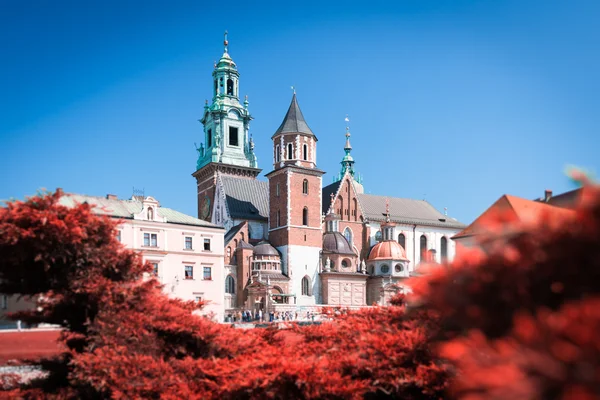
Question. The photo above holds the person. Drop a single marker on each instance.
(19, 325)
(260, 315)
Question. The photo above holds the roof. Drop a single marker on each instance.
(335, 242)
(294, 122)
(405, 211)
(565, 200)
(232, 232)
(388, 250)
(510, 208)
(246, 198)
(265, 249)
(327, 192)
(125, 209)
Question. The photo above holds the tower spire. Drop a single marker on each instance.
(225, 42)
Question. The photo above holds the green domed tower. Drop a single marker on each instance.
(228, 148)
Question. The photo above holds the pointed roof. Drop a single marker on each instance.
(294, 121)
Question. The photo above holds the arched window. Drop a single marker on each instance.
(228, 251)
(229, 285)
(289, 154)
(355, 208)
(277, 153)
(305, 186)
(150, 214)
(235, 243)
(230, 87)
(305, 152)
(305, 216)
(341, 208)
(444, 248)
(423, 243)
(402, 240)
(306, 286)
(242, 235)
(277, 190)
(348, 235)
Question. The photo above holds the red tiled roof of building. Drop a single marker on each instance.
(509, 209)
(28, 344)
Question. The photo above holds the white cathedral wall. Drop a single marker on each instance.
(434, 236)
(297, 262)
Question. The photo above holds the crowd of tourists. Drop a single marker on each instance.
(257, 316)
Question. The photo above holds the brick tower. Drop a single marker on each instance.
(295, 204)
(227, 147)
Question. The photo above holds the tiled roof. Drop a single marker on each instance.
(232, 232)
(510, 208)
(294, 121)
(406, 211)
(565, 200)
(246, 198)
(127, 208)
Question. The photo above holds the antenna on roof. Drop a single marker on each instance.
(138, 194)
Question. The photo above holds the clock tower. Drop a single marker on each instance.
(227, 148)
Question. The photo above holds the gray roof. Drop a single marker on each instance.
(127, 208)
(232, 232)
(326, 193)
(406, 211)
(246, 198)
(294, 121)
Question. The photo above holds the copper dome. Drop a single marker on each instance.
(265, 249)
(335, 242)
(388, 250)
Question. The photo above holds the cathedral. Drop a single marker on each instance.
(291, 242)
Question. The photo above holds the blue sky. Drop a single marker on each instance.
(457, 102)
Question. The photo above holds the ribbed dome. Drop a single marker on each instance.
(335, 242)
(265, 249)
(388, 250)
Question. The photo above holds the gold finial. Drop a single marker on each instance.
(347, 126)
(225, 41)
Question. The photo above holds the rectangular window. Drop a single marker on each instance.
(150, 240)
(188, 243)
(209, 138)
(207, 274)
(277, 190)
(189, 272)
(233, 136)
(4, 302)
(277, 153)
(155, 269)
(207, 244)
(199, 298)
(119, 236)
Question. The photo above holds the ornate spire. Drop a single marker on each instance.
(348, 161)
(293, 122)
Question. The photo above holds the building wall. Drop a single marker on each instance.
(303, 261)
(172, 258)
(344, 290)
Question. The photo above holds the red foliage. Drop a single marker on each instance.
(125, 339)
(518, 315)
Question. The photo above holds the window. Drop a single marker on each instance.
(207, 244)
(199, 298)
(277, 153)
(423, 246)
(305, 186)
(242, 235)
(344, 264)
(155, 269)
(305, 286)
(150, 214)
(4, 302)
(402, 240)
(228, 252)
(371, 269)
(189, 272)
(229, 285)
(230, 87)
(150, 240)
(233, 136)
(278, 221)
(348, 235)
(209, 138)
(277, 190)
(207, 274)
(399, 268)
(188, 243)
(119, 236)
(305, 152)
(216, 87)
(385, 269)
(378, 236)
(444, 248)
(289, 153)
(305, 216)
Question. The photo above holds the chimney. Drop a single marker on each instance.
(547, 195)
(111, 197)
